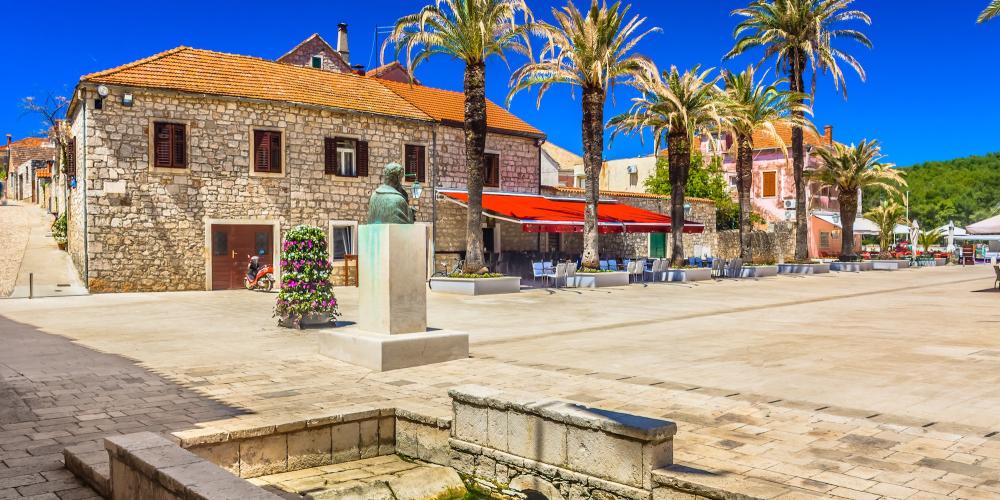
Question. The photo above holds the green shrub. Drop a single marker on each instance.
(59, 229)
(305, 275)
(475, 275)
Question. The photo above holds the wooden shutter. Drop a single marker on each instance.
(770, 184)
(261, 151)
(275, 151)
(330, 155)
(491, 167)
(361, 158)
(421, 163)
(179, 145)
(415, 159)
(70, 160)
(161, 144)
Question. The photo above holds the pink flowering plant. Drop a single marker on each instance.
(305, 275)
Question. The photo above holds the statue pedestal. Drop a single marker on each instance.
(392, 324)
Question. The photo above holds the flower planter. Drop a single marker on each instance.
(759, 271)
(890, 265)
(311, 319)
(598, 280)
(61, 245)
(803, 268)
(476, 286)
(852, 267)
(684, 275)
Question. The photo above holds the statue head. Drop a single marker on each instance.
(393, 176)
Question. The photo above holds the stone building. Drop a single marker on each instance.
(28, 178)
(190, 160)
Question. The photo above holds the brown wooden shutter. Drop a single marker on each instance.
(179, 159)
(491, 167)
(421, 163)
(275, 152)
(330, 155)
(161, 144)
(70, 160)
(361, 157)
(261, 151)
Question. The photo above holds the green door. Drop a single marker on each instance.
(657, 245)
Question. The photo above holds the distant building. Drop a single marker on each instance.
(26, 179)
(557, 165)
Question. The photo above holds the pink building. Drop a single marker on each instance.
(773, 195)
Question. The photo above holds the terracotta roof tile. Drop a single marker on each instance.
(43, 173)
(27, 142)
(811, 138)
(449, 106)
(201, 71)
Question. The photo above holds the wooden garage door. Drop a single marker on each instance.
(232, 247)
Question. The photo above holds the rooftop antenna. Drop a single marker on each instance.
(379, 31)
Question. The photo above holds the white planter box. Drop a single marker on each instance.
(598, 280)
(477, 286)
(803, 268)
(852, 267)
(890, 265)
(699, 274)
(759, 272)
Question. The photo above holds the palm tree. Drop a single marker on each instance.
(992, 10)
(677, 105)
(886, 216)
(470, 31)
(849, 169)
(754, 107)
(593, 51)
(929, 238)
(800, 34)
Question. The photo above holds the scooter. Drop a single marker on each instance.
(258, 277)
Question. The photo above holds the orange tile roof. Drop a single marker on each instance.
(811, 138)
(449, 106)
(185, 69)
(27, 142)
(43, 173)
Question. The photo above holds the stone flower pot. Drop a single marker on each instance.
(311, 319)
(476, 286)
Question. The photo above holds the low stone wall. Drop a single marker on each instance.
(147, 465)
(767, 246)
(252, 451)
(512, 441)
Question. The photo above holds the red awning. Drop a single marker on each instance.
(544, 214)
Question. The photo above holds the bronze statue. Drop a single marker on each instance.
(389, 203)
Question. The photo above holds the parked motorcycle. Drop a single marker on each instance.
(259, 276)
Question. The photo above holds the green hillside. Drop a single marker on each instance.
(965, 190)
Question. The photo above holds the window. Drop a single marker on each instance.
(169, 145)
(345, 157)
(343, 240)
(633, 179)
(770, 184)
(267, 151)
(415, 158)
(262, 242)
(824, 239)
(491, 174)
(317, 61)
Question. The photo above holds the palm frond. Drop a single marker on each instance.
(991, 11)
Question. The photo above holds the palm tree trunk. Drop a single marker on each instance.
(744, 185)
(593, 152)
(679, 157)
(798, 164)
(475, 145)
(848, 212)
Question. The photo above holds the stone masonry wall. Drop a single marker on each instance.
(148, 227)
(302, 56)
(767, 246)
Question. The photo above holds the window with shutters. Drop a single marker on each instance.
(169, 145)
(491, 173)
(769, 189)
(415, 159)
(345, 157)
(267, 153)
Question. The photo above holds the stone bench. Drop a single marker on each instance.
(521, 441)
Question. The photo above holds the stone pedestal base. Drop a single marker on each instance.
(381, 352)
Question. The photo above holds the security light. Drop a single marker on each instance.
(417, 190)
(102, 90)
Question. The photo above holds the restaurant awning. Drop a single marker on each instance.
(548, 214)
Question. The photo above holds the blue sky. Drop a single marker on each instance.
(930, 95)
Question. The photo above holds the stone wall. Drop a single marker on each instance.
(775, 244)
(513, 441)
(147, 227)
(316, 46)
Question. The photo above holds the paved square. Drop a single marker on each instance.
(854, 385)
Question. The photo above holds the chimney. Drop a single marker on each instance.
(342, 42)
(828, 133)
(359, 69)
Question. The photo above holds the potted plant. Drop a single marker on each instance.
(59, 231)
(306, 296)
